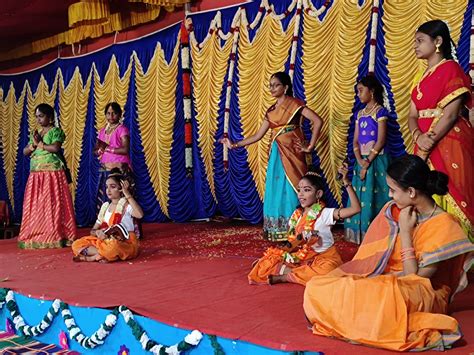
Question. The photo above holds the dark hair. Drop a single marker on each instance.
(285, 79)
(371, 82)
(412, 171)
(314, 179)
(437, 28)
(115, 106)
(117, 175)
(46, 109)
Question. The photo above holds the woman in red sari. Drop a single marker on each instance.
(441, 135)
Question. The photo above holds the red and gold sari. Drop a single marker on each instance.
(453, 154)
(367, 301)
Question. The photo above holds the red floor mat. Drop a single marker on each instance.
(192, 276)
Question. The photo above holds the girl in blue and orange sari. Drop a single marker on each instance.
(370, 134)
(287, 161)
(394, 293)
(441, 135)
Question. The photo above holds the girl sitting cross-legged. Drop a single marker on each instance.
(310, 249)
(112, 237)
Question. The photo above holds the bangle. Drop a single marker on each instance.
(414, 131)
(376, 152)
(415, 138)
(234, 145)
(338, 214)
(347, 185)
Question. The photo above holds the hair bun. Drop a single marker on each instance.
(437, 183)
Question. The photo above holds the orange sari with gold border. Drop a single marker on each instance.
(367, 301)
(453, 153)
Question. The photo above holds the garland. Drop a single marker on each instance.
(186, 77)
(97, 338)
(373, 36)
(471, 49)
(294, 43)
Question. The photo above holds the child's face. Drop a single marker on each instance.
(363, 93)
(114, 190)
(307, 194)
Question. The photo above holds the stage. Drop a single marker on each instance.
(188, 276)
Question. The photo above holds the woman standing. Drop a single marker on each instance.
(48, 214)
(442, 136)
(287, 161)
(394, 293)
(112, 148)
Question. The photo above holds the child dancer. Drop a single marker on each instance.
(310, 249)
(112, 237)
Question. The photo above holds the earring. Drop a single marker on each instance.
(437, 47)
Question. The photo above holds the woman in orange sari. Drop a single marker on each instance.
(287, 161)
(113, 235)
(394, 293)
(441, 135)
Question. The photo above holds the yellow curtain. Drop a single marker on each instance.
(258, 60)
(209, 71)
(113, 88)
(73, 100)
(42, 95)
(156, 97)
(401, 20)
(11, 111)
(332, 52)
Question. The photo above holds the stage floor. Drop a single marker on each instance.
(193, 276)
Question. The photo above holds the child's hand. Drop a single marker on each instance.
(125, 186)
(344, 171)
(226, 142)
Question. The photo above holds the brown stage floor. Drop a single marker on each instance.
(193, 276)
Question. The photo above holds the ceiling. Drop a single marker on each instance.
(24, 21)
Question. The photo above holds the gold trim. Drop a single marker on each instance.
(450, 97)
(430, 113)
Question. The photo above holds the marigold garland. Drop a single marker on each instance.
(97, 338)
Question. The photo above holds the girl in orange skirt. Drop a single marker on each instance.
(48, 214)
(310, 249)
(112, 237)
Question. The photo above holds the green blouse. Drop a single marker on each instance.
(42, 160)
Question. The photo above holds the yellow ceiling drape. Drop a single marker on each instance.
(93, 19)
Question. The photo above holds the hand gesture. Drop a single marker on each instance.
(100, 234)
(226, 142)
(344, 171)
(36, 138)
(302, 147)
(425, 141)
(362, 173)
(125, 187)
(407, 220)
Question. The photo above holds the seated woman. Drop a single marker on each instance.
(394, 294)
(112, 237)
(310, 248)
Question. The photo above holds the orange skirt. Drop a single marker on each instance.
(48, 214)
(110, 249)
(318, 264)
(396, 313)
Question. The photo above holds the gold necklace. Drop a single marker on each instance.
(422, 219)
(419, 94)
(109, 129)
(368, 111)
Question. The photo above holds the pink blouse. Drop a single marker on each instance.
(115, 141)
